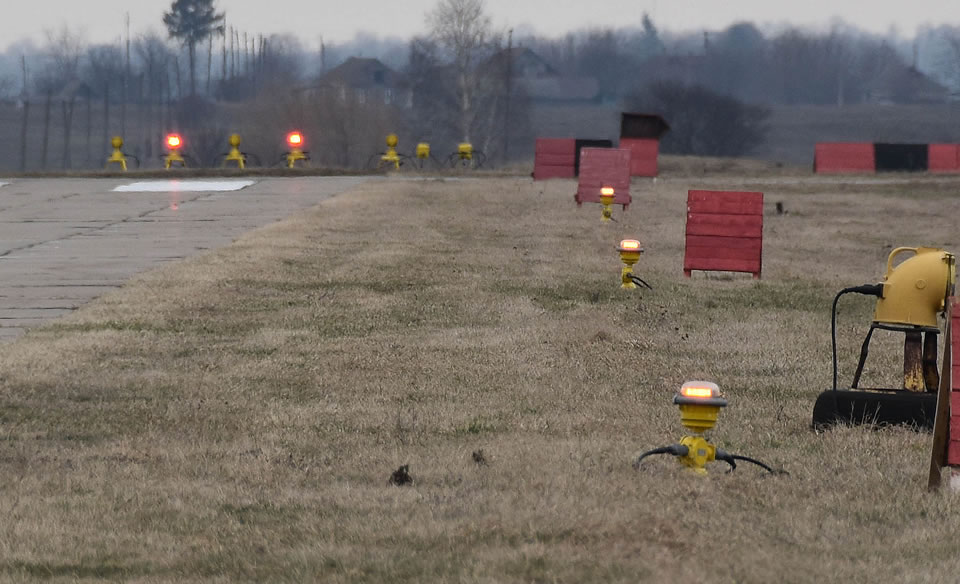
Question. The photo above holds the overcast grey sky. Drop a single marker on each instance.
(339, 20)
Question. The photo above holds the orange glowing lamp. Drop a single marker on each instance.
(630, 251)
(174, 141)
(295, 139)
(606, 199)
(700, 402)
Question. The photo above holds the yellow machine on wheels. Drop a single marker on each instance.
(911, 297)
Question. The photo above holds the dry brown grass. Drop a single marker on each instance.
(236, 417)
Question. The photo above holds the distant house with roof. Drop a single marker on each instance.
(540, 82)
(900, 84)
(366, 80)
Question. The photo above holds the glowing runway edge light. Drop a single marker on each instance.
(194, 186)
(295, 139)
(174, 141)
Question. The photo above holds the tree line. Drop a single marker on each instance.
(709, 84)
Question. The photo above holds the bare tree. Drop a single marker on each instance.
(64, 50)
(462, 29)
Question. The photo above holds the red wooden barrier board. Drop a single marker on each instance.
(604, 167)
(844, 157)
(643, 155)
(724, 232)
(953, 445)
(554, 158)
(943, 158)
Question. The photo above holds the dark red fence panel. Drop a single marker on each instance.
(944, 158)
(604, 167)
(554, 158)
(953, 444)
(643, 155)
(844, 157)
(724, 232)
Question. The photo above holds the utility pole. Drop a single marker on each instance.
(26, 115)
(509, 86)
(126, 81)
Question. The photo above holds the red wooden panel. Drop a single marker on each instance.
(724, 232)
(729, 202)
(554, 158)
(545, 172)
(751, 243)
(719, 251)
(601, 167)
(725, 225)
(953, 453)
(547, 159)
(722, 265)
(943, 158)
(643, 155)
(844, 157)
(556, 146)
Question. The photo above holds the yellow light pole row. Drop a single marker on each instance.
(174, 143)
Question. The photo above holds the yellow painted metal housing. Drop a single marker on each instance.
(700, 402)
(630, 251)
(915, 291)
(173, 157)
(423, 150)
(117, 157)
(235, 155)
(391, 156)
(465, 151)
(606, 199)
(699, 453)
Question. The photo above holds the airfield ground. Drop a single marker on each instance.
(236, 415)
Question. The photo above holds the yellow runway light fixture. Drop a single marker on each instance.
(606, 199)
(117, 157)
(391, 156)
(700, 403)
(466, 156)
(174, 144)
(296, 153)
(234, 155)
(422, 153)
(630, 250)
(910, 299)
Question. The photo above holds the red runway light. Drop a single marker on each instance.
(295, 139)
(174, 141)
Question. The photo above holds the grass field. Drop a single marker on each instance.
(237, 416)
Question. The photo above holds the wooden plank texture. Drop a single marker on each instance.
(724, 232)
(644, 153)
(844, 157)
(943, 158)
(601, 167)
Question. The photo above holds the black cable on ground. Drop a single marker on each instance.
(674, 449)
(732, 459)
(639, 281)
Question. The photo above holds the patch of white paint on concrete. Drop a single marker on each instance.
(3, 183)
(183, 186)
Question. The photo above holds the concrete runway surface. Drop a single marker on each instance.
(63, 242)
